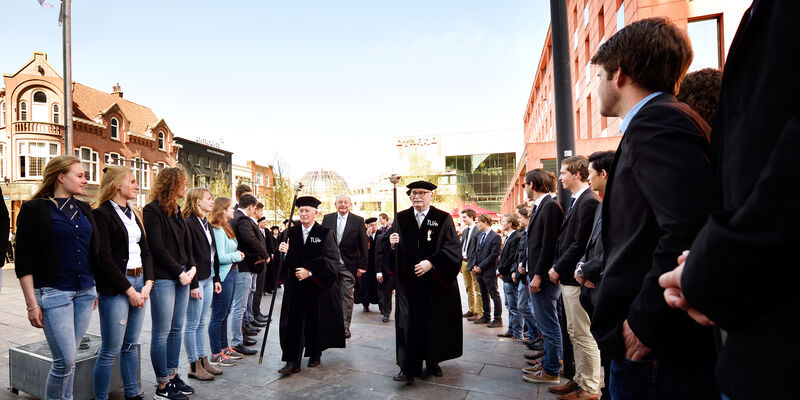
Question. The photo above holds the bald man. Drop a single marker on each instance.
(351, 237)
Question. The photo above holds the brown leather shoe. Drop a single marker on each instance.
(535, 362)
(579, 394)
(468, 314)
(536, 354)
(568, 387)
(474, 317)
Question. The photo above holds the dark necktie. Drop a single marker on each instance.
(127, 211)
(571, 203)
(205, 223)
(466, 239)
(534, 209)
(480, 244)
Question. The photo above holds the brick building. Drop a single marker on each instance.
(205, 161)
(107, 129)
(711, 25)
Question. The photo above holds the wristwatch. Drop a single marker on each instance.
(578, 269)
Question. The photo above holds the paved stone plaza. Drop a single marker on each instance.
(489, 368)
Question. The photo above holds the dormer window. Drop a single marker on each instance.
(114, 129)
(161, 145)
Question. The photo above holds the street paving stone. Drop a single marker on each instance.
(489, 368)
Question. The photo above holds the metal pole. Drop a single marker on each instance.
(562, 89)
(395, 179)
(66, 15)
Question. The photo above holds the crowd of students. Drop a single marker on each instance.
(196, 265)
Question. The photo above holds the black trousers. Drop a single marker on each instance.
(488, 286)
(385, 294)
(568, 354)
(260, 280)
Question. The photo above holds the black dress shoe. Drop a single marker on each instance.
(385, 318)
(347, 333)
(289, 368)
(402, 377)
(256, 324)
(313, 361)
(262, 319)
(435, 370)
(248, 341)
(505, 334)
(244, 350)
(366, 308)
(497, 323)
(482, 320)
(249, 332)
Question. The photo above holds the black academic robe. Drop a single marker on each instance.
(311, 311)
(428, 323)
(366, 289)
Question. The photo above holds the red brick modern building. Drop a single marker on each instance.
(107, 129)
(711, 25)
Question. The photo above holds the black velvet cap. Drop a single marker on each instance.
(420, 185)
(309, 201)
(370, 220)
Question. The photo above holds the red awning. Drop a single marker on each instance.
(478, 210)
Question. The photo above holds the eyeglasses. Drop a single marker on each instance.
(419, 193)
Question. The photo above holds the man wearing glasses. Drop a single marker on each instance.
(426, 258)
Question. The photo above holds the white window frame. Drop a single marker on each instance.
(162, 141)
(2, 113)
(22, 111)
(621, 16)
(2, 160)
(55, 113)
(114, 124)
(91, 166)
(118, 160)
(46, 153)
(141, 169)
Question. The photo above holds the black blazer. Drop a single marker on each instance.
(36, 252)
(543, 232)
(473, 241)
(575, 232)
(113, 251)
(353, 245)
(251, 242)
(657, 198)
(593, 257)
(742, 265)
(202, 251)
(5, 224)
(486, 256)
(170, 249)
(508, 256)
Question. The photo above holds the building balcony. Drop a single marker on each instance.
(46, 128)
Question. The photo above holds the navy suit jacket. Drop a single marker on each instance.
(486, 255)
(575, 232)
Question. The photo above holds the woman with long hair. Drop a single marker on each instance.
(173, 269)
(222, 212)
(57, 242)
(124, 279)
(198, 204)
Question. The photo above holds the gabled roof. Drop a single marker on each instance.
(93, 103)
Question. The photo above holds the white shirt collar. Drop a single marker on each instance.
(340, 216)
(632, 113)
(539, 200)
(580, 192)
(422, 212)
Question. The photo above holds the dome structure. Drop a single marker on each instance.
(324, 185)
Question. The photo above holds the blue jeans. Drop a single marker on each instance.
(168, 302)
(238, 308)
(65, 317)
(544, 308)
(514, 318)
(525, 307)
(197, 314)
(120, 325)
(220, 309)
(651, 379)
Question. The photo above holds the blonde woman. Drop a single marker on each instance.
(225, 239)
(198, 204)
(56, 262)
(173, 269)
(124, 279)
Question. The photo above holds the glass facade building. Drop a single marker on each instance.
(481, 179)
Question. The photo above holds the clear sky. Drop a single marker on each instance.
(320, 83)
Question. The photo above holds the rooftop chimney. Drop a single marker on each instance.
(117, 90)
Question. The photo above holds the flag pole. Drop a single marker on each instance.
(66, 16)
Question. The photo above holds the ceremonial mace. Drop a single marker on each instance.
(274, 280)
(395, 179)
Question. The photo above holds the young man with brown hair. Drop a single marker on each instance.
(468, 243)
(657, 198)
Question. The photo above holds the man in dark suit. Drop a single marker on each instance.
(251, 243)
(366, 289)
(657, 199)
(584, 357)
(483, 264)
(383, 274)
(5, 223)
(506, 270)
(352, 241)
(739, 273)
(255, 318)
(543, 229)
